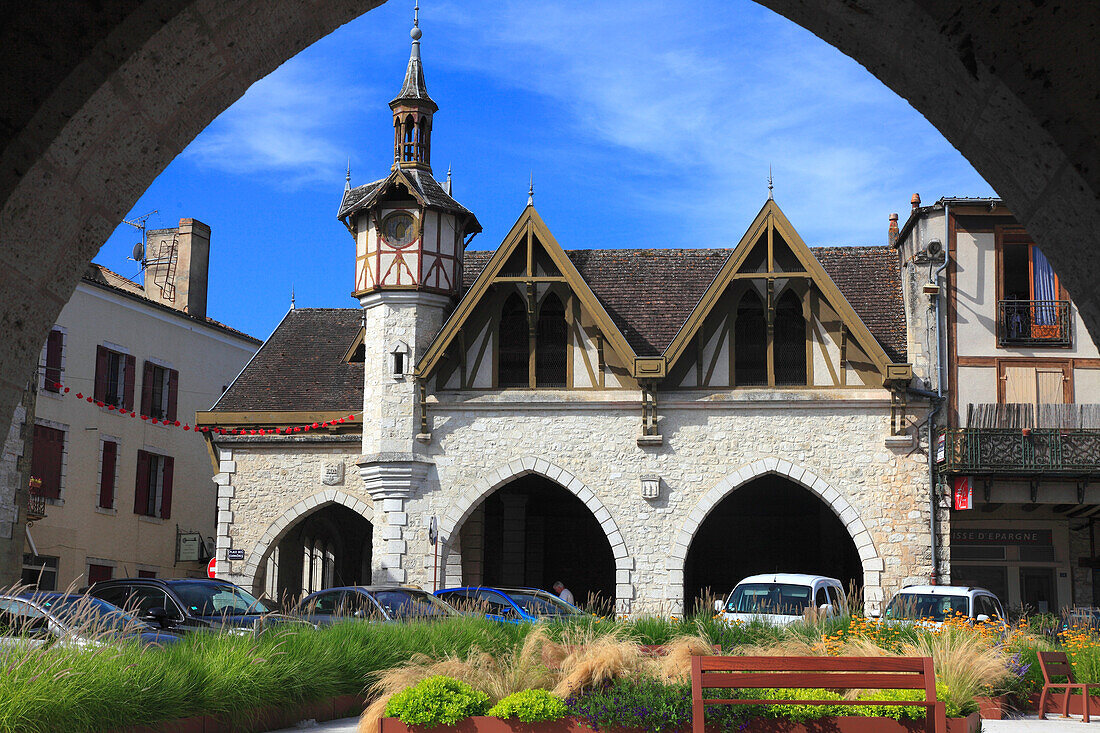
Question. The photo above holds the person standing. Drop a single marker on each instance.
(564, 593)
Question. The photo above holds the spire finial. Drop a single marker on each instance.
(448, 179)
(292, 297)
(347, 178)
(770, 183)
(531, 191)
(416, 33)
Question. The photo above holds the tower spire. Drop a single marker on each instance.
(448, 186)
(413, 110)
(347, 178)
(531, 191)
(770, 184)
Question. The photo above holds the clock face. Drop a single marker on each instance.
(398, 229)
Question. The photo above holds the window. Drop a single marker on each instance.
(48, 460)
(55, 347)
(750, 342)
(513, 346)
(790, 341)
(108, 473)
(551, 337)
(98, 573)
(159, 391)
(114, 378)
(1034, 388)
(153, 487)
(1033, 309)
(147, 573)
(40, 571)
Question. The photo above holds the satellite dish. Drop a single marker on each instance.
(139, 252)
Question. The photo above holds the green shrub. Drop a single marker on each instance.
(530, 706)
(437, 700)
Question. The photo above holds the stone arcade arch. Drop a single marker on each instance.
(470, 499)
(873, 564)
(292, 517)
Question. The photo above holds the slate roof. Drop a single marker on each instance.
(649, 293)
(428, 188)
(414, 89)
(301, 366)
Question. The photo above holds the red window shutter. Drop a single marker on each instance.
(173, 392)
(101, 373)
(128, 392)
(166, 487)
(147, 573)
(97, 573)
(141, 484)
(48, 450)
(107, 475)
(53, 360)
(147, 388)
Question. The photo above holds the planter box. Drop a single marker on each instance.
(1055, 706)
(969, 724)
(992, 708)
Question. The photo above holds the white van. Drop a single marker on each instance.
(782, 598)
(933, 603)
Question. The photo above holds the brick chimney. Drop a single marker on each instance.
(892, 232)
(915, 201)
(178, 265)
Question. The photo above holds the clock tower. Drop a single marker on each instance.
(409, 238)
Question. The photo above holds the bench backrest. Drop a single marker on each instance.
(1056, 664)
(830, 673)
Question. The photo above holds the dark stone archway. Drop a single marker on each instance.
(99, 98)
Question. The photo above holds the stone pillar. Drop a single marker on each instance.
(15, 473)
(233, 571)
(391, 479)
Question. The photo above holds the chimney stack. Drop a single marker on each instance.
(178, 266)
(915, 201)
(892, 232)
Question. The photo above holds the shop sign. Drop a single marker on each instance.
(189, 546)
(964, 493)
(1001, 536)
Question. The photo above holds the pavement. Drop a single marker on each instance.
(1030, 724)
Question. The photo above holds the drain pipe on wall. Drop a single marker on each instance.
(937, 403)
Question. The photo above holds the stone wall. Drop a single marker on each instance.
(830, 441)
(14, 468)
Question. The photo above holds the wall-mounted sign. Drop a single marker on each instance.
(651, 487)
(234, 554)
(332, 474)
(1001, 536)
(941, 448)
(964, 493)
(189, 546)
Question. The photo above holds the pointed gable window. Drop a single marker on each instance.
(513, 344)
(750, 342)
(550, 343)
(790, 341)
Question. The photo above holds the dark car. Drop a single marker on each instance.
(372, 603)
(511, 605)
(190, 604)
(40, 619)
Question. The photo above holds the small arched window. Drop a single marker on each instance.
(790, 340)
(513, 356)
(750, 342)
(550, 351)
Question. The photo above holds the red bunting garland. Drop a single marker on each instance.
(63, 390)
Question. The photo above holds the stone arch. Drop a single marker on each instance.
(304, 508)
(460, 510)
(873, 564)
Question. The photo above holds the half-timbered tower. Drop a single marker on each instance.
(646, 425)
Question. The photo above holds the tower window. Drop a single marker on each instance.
(750, 342)
(550, 351)
(790, 341)
(399, 359)
(398, 364)
(512, 344)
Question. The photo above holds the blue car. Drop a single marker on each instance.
(510, 605)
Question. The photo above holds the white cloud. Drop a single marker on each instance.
(283, 128)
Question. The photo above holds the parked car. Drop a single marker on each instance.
(782, 598)
(41, 619)
(379, 603)
(512, 605)
(183, 605)
(934, 603)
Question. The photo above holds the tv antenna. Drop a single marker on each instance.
(138, 222)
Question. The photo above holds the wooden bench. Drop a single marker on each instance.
(1056, 664)
(830, 673)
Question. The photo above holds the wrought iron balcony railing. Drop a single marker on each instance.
(1034, 323)
(1015, 451)
(36, 507)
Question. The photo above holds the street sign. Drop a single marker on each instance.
(433, 531)
(234, 554)
(212, 567)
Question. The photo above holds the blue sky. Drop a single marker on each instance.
(645, 124)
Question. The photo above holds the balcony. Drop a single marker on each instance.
(1034, 323)
(36, 507)
(1022, 452)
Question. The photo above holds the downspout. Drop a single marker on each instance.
(937, 403)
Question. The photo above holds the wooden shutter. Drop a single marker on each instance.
(1020, 385)
(173, 393)
(48, 452)
(147, 388)
(141, 484)
(53, 360)
(166, 486)
(128, 391)
(101, 373)
(107, 475)
(1050, 385)
(98, 573)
